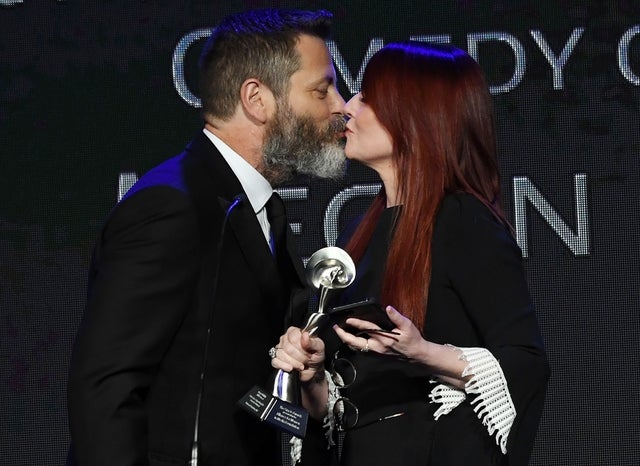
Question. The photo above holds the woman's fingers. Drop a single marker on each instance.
(398, 319)
(354, 341)
(360, 324)
(297, 350)
(289, 353)
(285, 361)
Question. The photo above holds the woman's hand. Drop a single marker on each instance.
(405, 340)
(299, 351)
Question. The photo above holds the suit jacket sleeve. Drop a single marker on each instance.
(141, 279)
(487, 273)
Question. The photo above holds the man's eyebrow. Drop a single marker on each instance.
(325, 79)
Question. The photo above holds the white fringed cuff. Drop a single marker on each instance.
(448, 396)
(493, 403)
(296, 450)
(329, 423)
(329, 419)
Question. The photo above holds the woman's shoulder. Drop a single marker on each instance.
(464, 206)
(464, 215)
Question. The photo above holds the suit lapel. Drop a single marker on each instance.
(245, 227)
(294, 258)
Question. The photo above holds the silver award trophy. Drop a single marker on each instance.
(328, 269)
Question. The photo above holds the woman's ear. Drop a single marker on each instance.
(257, 100)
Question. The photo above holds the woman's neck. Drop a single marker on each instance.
(389, 180)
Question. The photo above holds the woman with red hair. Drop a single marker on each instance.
(461, 378)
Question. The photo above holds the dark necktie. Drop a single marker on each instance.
(278, 221)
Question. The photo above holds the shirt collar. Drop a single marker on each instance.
(255, 186)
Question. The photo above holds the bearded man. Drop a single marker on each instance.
(188, 285)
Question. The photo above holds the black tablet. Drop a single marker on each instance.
(368, 310)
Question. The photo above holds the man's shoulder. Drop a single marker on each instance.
(169, 173)
(172, 172)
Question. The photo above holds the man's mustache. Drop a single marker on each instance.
(338, 124)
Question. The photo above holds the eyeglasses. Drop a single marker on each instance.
(345, 414)
(343, 372)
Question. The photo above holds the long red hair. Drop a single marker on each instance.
(434, 102)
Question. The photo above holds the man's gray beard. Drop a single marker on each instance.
(295, 145)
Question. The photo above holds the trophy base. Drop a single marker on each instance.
(276, 412)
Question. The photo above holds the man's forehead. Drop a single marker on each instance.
(313, 51)
(315, 61)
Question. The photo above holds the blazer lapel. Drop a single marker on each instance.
(294, 256)
(254, 247)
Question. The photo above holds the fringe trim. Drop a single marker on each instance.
(329, 419)
(493, 403)
(296, 450)
(447, 395)
(329, 423)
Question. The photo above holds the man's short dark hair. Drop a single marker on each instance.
(257, 44)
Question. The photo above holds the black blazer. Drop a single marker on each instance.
(478, 297)
(137, 358)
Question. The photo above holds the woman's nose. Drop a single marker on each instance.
(349, 107)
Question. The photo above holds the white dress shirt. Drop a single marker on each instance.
(255, 185)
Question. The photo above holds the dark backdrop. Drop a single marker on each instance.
(89, 99)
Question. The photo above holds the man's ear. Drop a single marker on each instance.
(257, 100)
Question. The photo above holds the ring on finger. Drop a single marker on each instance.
(365, 348)
(272, 351)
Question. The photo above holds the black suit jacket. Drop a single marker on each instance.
(136, 364)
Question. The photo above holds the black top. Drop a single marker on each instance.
(478, 297)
